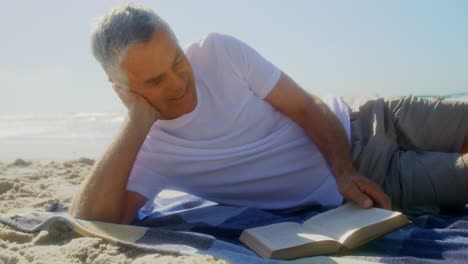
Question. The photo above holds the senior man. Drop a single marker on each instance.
(219, 121)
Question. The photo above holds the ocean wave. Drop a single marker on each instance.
(452, 96)
(94, 115)
(60, 125)
(61, 116)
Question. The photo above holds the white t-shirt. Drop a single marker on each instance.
(235, 148)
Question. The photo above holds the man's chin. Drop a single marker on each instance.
(170, 116)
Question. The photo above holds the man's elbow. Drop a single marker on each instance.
(95, 215)
(100, 218)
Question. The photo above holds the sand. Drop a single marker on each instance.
(27, 188)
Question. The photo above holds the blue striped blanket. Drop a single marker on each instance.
(188, 225)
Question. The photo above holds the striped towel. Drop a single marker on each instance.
(188, 225)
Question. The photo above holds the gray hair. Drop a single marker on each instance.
(117, 31)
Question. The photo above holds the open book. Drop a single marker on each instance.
(345, 227)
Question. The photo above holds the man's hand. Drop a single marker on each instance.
(324, 128)
(111, 172)
(362, 191)
(136, 104)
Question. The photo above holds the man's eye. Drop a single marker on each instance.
(155, 83)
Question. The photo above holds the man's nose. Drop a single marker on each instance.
(178, 82)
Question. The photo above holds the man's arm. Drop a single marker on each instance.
(321, 124)
(103, 195)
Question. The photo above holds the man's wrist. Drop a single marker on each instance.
(344, 171)
(142, 120)
(143, 114)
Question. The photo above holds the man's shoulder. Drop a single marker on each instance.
(213, 40)
(211, 37)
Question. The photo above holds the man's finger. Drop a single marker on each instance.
(375, 192)
(124, 96)
(360, 198)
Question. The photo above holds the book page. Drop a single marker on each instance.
(285, 235)
(341, 222)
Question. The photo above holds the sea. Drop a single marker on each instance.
(67, 136)
(57, 136)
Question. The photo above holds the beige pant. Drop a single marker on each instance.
(410, 147)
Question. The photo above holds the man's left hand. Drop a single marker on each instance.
(362, 191)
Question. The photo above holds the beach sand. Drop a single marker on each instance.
(27, 188)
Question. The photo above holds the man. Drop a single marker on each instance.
(221, 122)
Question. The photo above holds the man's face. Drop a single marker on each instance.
(160, 72)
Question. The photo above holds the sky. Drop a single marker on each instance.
(359, 47)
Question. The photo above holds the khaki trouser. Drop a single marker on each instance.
(410, 146)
